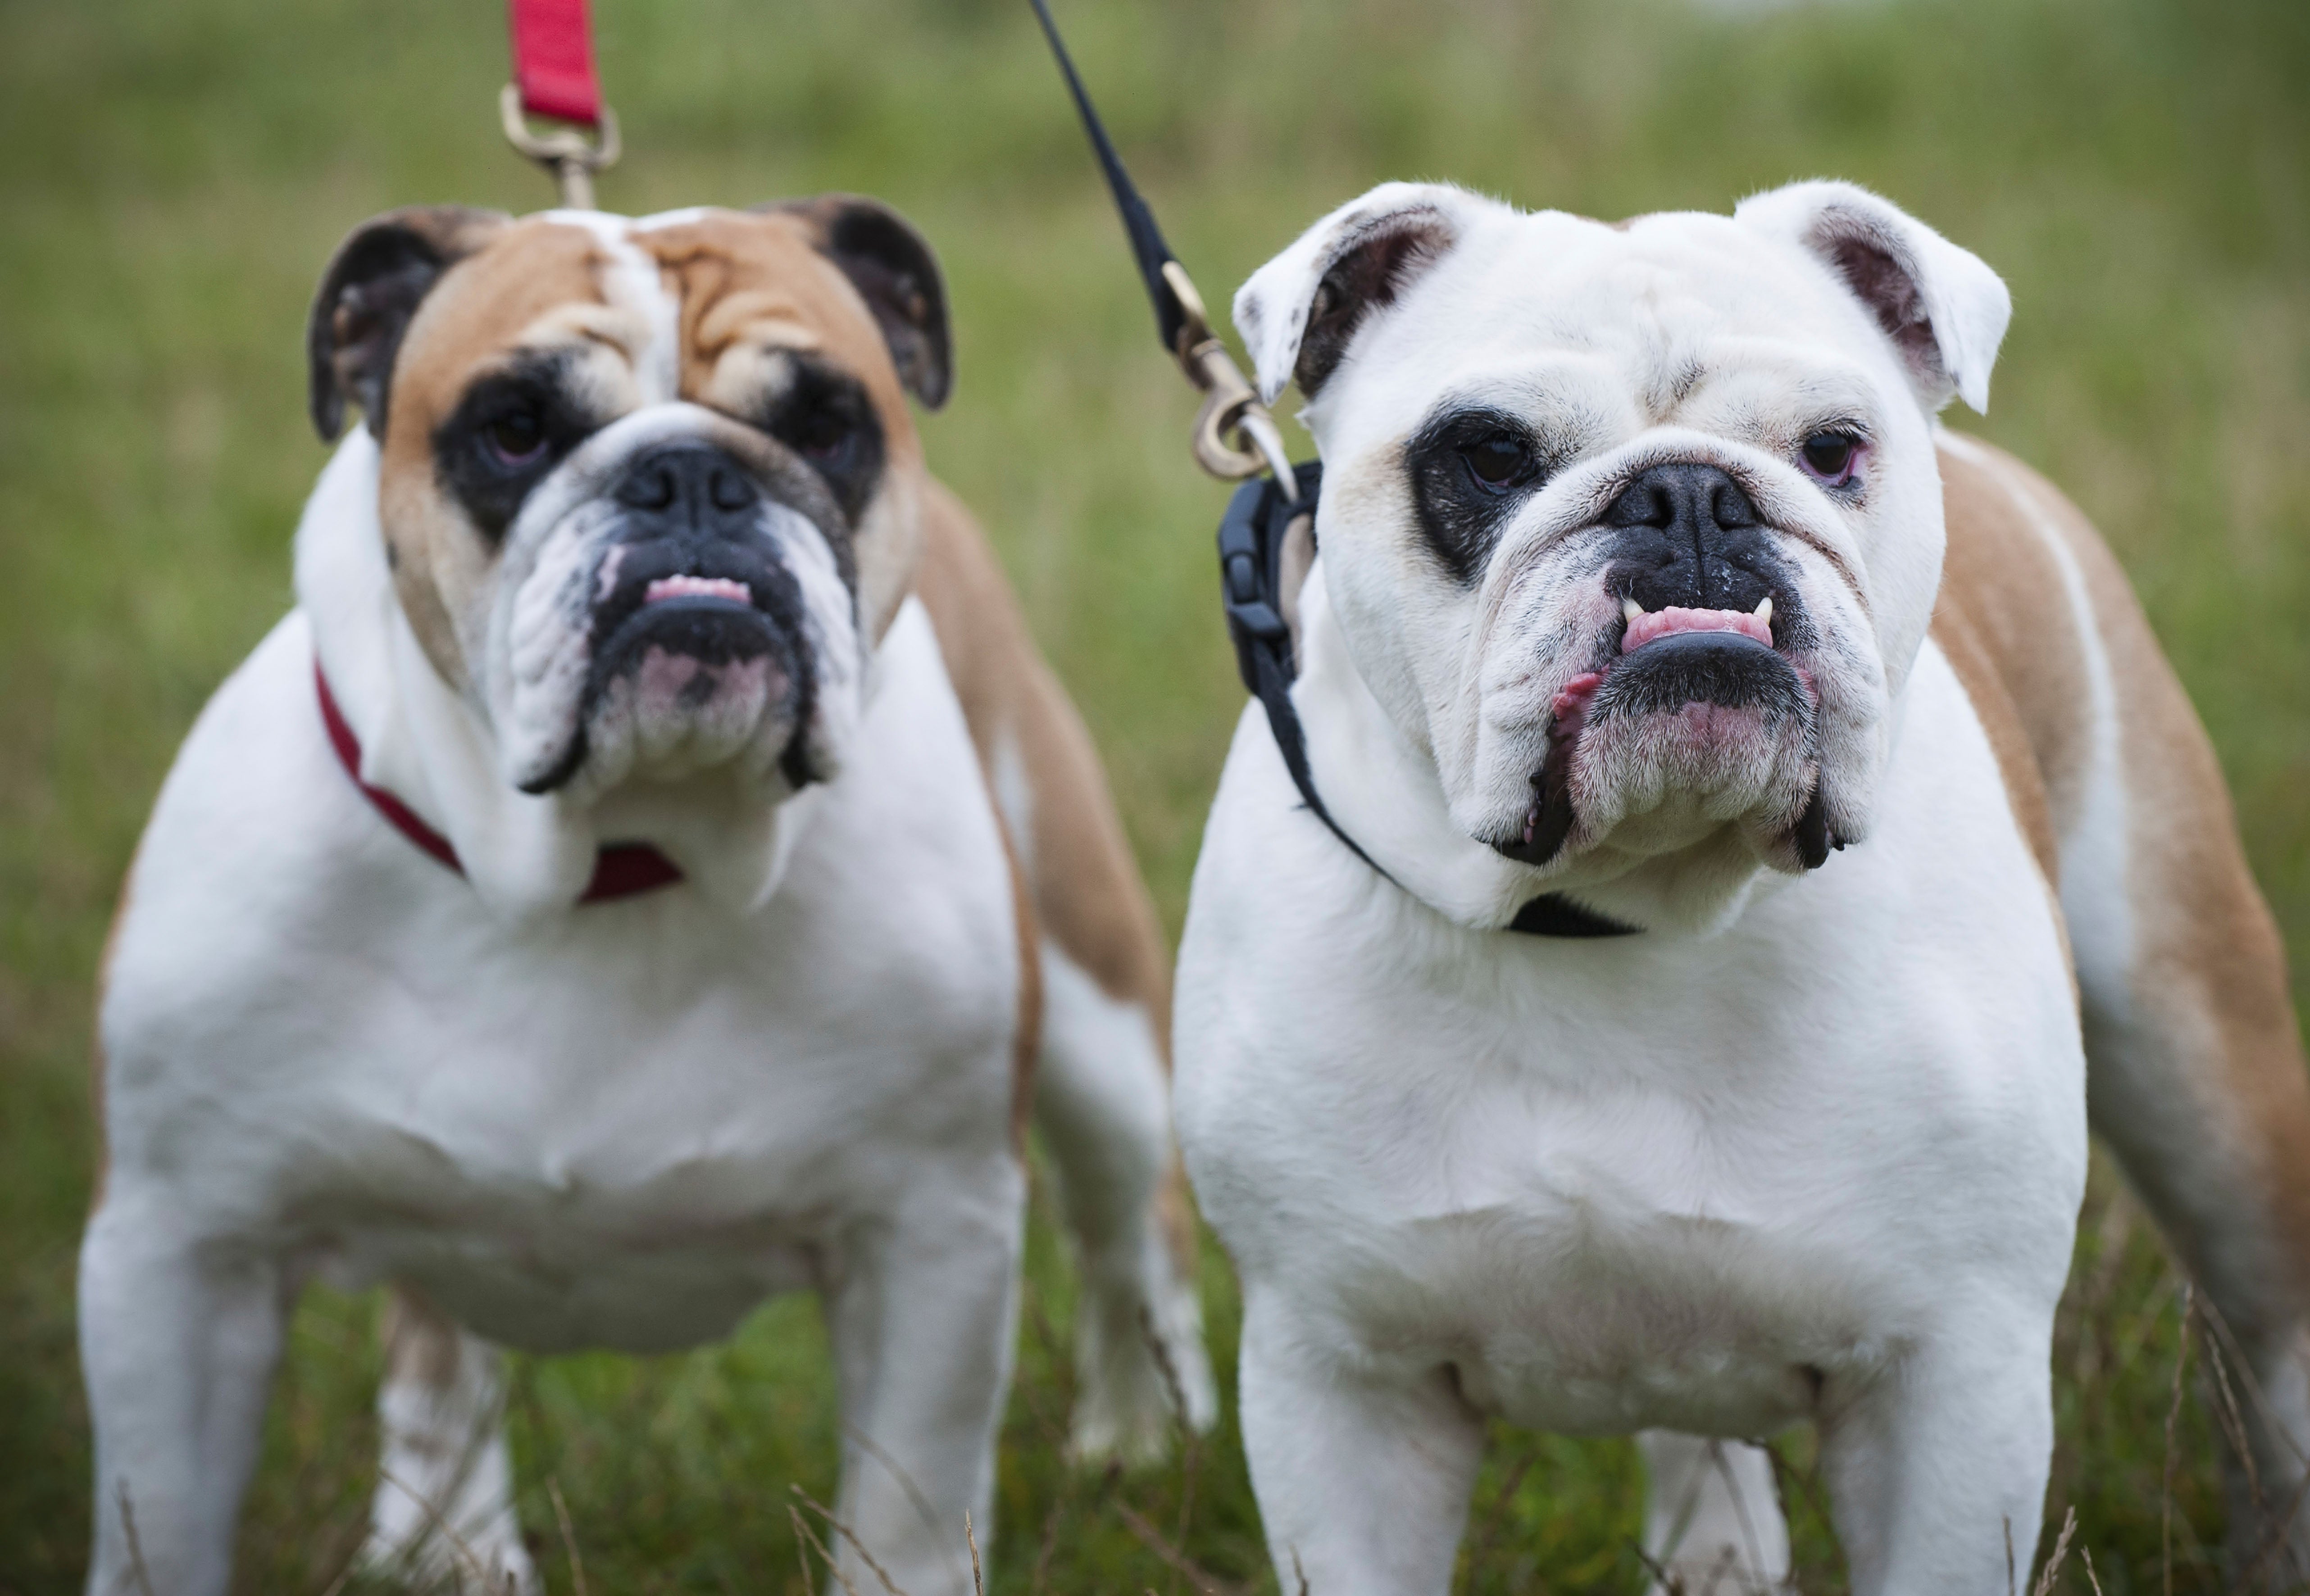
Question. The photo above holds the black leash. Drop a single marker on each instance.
(1261, 516)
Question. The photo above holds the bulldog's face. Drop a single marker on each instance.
(1633, 530)
(647, 488)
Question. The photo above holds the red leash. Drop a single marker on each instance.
(553, 60)
(620, 870)
(554, 77)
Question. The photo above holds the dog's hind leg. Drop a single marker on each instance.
(443, 1517)
(2196, 1082)
(2195, 1068)
(1103, 1102)
(1102, 1095)
(1712, 1515)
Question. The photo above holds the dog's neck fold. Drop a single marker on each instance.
(424, 743)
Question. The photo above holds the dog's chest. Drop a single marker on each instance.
(1595, 1261)
(622, 1124)
(633, 1132)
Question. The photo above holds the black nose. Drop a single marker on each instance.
(1691, 537)
(697, 489)
(1682, 497)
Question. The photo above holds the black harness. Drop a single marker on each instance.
(1259, 518)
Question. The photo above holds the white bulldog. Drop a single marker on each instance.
(1647, 580)
(631, 882)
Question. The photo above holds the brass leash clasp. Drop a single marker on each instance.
(569, 154)
(1235, 437)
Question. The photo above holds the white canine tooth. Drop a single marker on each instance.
(1764, 611)
(1630, 609)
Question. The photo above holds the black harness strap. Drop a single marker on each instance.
(1251, 585)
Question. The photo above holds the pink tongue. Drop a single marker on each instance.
(722, 588)
(1662, 623)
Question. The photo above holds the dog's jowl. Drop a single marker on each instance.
(649, 870)
(1646, 577)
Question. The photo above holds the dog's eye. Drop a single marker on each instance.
(1829, 455)
(516, 438)
(826, 438)
(1499, 460)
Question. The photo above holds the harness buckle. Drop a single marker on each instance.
(1234, 436)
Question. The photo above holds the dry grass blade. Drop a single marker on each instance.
(922, 1503)
(569, 1536)
(1672, 1584)
(2274, 1536)
(803, 1529)
(802, 1552)
(1740, 1509)
(1299, 1571)
(2091, 1578)
(1189, 1452)
(2173, 1419)
(1049, 1547)
(977, 1578)
(2233, 1423)
(843, 1530)
(1494, 1521)
(2211, 1313)
(2052, 1568)
(136, 1546)
(457, 1541)
(1152, 1538)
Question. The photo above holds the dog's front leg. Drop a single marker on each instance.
(1363, 1484)
(921, 1311)
(179, 1335)
(1936, 1468)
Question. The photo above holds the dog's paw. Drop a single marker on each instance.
(1141, 1376)
(492, 1562)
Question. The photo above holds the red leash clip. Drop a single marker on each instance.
(554, 77)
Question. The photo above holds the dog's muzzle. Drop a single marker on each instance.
(691, 607)
(1710, 617)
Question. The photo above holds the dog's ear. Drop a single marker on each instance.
(373, 286)
(892, 267)
(1943, 307)
(1299, 313)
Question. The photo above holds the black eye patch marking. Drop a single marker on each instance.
(1469, 469)
(512, 427)
(824, 416)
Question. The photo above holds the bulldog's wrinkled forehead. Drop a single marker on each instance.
(1654, 307)
(694, 305)
(1417, 283)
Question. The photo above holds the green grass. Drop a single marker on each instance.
(177, 170)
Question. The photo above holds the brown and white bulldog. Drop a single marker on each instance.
(650, 869)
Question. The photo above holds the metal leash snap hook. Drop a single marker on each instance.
(567, 152)
(1232, 415)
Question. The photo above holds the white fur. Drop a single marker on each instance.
(1811, 1145)
(622, 1127)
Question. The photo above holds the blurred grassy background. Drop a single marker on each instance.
(177, 170)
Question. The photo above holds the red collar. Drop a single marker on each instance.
(620, 870)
